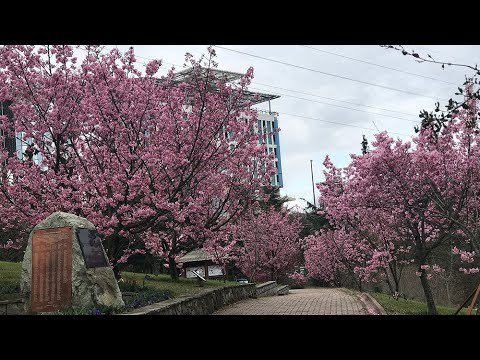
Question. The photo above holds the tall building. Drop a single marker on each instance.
(17, 146)
(267, 121)
(8, 143)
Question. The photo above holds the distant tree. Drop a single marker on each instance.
(272, 198)
(364, 145)
(268, 244)
(313, 219)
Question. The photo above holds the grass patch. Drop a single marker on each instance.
(10, 272)
(9, 280)
(410, 307)
(163, 282)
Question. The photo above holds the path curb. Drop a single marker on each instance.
(372, 305)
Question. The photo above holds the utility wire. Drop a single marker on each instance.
(339, 123)
(330, 74)
(316, 119)
(314, 95)
(340, 106)
(333, 99)
(378, 65)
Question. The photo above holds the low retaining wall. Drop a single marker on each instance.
(12, 307)
(283, 290)
(268, 288)
(203, 303)
(372, 305)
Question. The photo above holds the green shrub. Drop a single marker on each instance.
(10, 288)
(147, 296)
(98, 310)
(131, 285)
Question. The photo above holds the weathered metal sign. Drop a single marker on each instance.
(51, 269)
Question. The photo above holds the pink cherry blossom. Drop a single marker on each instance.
(142, 157)
(268, 244)
(398, 203)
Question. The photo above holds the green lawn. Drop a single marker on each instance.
(177, 288)
(10, 282)
(410, 307)
(10, 272)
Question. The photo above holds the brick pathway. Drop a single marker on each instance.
(299, 302)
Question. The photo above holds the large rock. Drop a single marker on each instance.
(90, 286)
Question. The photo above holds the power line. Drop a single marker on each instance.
(378, 65)
(315, 95)
(339, 123)
(329, 74)
(296, 97)
(333, 99)
(316, 119)
(340, 106)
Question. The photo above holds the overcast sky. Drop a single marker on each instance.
(304, 139)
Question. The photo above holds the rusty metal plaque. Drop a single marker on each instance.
(51, 269)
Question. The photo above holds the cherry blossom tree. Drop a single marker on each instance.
(362, 246)
(268, 244)
(144, 158)
(323, 258)
(386, 195)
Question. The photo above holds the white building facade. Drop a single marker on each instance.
(267, 129)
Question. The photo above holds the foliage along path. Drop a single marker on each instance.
(318, 301)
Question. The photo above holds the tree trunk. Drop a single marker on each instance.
(112, 243)
(397, 284)
(449, 298)
(389, 283)
(172, 266)
(431, 309)
(116, 272)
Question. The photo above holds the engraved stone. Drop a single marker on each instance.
(54, 262)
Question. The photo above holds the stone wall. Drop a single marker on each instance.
(268, 288)
(283, 290)
(12, 307)
(203, 303)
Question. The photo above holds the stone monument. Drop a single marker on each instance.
(65, 266)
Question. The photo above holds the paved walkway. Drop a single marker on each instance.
(299, 302)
